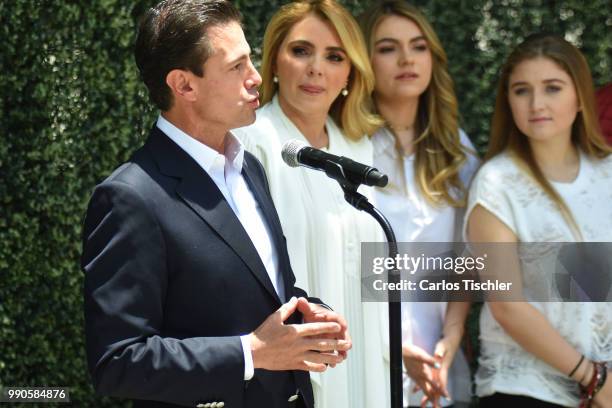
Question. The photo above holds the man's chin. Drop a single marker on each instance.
(247, 121)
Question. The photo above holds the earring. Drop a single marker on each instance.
(275, 79)
(344, 92)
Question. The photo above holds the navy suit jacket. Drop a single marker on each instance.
(172, 280)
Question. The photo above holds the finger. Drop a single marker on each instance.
(347, 339)
(320, 313)
(303, 305)
(429, 390)
(310, 366)
(327, 345)
(421, 385)
(332, 316)
(435, 402)
(344, 334)
(444, 382)
(417, 374)
(315, 329)
(435, 376)
(433, 384)
(287, 309)
(416, 388)
(440, 350)
(311, 309)
(437, 388)
(444, 391)
(418, 354)
(322, 358)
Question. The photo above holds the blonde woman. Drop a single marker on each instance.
(548, 178)
(429, 161)
(316, 85)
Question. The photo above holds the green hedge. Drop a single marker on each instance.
(73, 109)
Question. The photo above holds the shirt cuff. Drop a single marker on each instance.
(249, 370)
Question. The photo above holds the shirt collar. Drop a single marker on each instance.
(205, 156)
(384, 143)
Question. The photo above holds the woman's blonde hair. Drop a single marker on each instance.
(438, 149)
(352, 113)
(586, 133)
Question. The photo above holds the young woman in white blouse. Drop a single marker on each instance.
(430, 162)
(316, 84)
(548, 178)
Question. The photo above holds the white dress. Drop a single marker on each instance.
(324, 236)
(414, 219)
(514, 198)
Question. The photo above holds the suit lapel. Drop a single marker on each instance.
(201, 194)
(271, 219)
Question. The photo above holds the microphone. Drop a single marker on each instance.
(296, 153)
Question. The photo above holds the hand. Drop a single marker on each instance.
(603, 399)
(276, 346)
(444, 354)
(313, 312)
(420, 366)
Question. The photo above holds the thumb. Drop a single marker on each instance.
(288, 308)
(440, 351)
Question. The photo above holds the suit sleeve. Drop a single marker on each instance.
(126, 277)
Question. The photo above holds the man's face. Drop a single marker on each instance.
(227, 93)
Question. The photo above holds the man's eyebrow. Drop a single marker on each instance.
(240, 57)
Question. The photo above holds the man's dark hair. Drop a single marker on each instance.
(172, 35)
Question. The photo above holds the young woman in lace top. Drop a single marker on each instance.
(547, 178)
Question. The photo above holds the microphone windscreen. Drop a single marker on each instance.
(290, 152)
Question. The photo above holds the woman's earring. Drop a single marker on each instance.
(344, 92)
(275, 79)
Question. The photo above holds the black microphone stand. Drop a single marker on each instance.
(357, 200)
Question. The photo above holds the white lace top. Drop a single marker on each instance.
(514, 197)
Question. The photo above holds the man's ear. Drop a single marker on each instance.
(179, 82)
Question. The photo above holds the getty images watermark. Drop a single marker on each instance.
(436, 271)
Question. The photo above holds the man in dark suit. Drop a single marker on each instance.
(189, 294)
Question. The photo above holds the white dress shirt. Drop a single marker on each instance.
(226, 172)
(414, 219)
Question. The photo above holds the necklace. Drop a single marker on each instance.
(322, 140)
(399, 128)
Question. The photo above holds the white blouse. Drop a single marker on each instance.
(513, 196)
(414, 219)
(324, 236)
